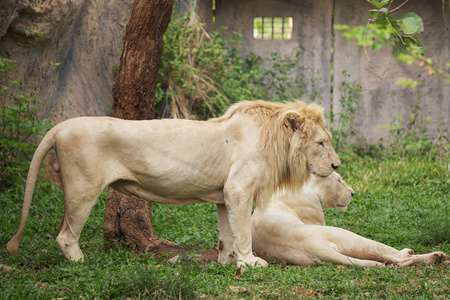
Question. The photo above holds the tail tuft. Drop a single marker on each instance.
(13, 246)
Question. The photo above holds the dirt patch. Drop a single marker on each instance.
(172, 250)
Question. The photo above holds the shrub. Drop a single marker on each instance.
(18, 124)
(202, 74)
(410, 137)
(342, 121)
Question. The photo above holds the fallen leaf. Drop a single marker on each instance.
(174, 259)
(304, 292)
(41, 285)
(340, 267)
(239, 272)
(5, 268)
(42, 219)
(238, 289)
(45, 251)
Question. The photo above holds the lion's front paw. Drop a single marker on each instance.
(253, 261)
(261, 263)
(438, 257)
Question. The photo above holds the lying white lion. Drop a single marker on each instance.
(232, 161)
(292, 229)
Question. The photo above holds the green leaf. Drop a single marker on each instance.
(400, 56)
(404, 49)
(408, 82)
(374, 13)
(410, 23)
(394, 21)
(413, 44)
(378, 13)
(379, 3)
(377, 46)
(391, 127)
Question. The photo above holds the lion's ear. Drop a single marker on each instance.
(293, 121)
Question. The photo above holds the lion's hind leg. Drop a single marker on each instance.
(363, 249)
(430, 258)
(78, 204)
(328, 252)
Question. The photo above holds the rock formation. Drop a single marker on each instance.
(66, 52)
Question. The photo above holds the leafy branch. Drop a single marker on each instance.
(400, 33)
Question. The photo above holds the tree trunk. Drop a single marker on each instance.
(129, 217)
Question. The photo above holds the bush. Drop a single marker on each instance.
(412, 137)
(343, 121)
(202, 74)
(18, 124)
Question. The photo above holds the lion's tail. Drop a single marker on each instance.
(44, 147)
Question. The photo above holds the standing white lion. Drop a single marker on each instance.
(232, 161)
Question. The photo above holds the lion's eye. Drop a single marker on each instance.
(322, 144)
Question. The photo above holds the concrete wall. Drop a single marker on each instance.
(312, 30)
(381, 100)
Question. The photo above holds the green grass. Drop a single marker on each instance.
(403, 202)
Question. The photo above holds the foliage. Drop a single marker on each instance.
(202, 74)
(400, 33)
(413, 138)
(33, 33)
(343, 120)
(401, 201)
(405, 138)
(279, 81)
(18, 124)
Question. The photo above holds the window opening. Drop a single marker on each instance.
(272, 28)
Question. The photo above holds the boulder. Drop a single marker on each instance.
(66, 53)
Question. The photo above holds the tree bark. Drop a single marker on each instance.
(129, 217)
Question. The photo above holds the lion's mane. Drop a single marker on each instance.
(284, 159)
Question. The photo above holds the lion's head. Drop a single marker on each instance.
(311, 140)
(332, 191)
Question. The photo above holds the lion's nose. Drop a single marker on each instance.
(352, 192)
(335, 166)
